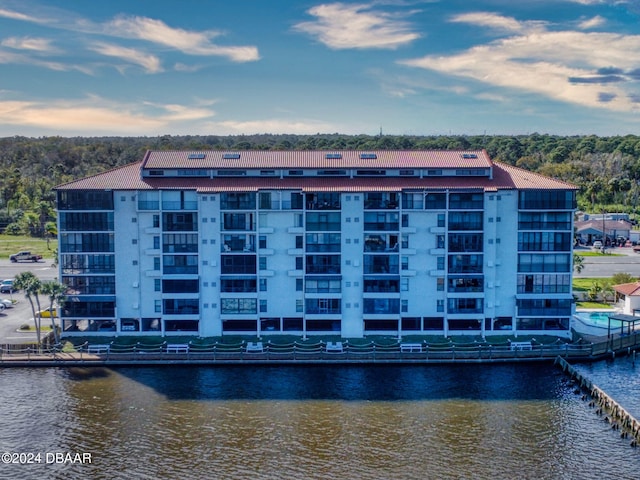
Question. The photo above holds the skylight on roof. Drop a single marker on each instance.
(469, 155)
(197, 156)
(231, 156)
(333, 156)
(368, 156)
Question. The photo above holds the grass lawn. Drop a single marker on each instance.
(584, 284)
(10, 244)
(598, 305)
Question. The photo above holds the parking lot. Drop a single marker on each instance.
(12, 318)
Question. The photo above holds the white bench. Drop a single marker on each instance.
(410, 347)
(521, 346)
(255, 347)
(98, 348)
(335, 347)
(177, 348)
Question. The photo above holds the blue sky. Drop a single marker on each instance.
(200, 67)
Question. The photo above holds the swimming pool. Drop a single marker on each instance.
(598, 319)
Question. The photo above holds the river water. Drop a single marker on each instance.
(321, 422)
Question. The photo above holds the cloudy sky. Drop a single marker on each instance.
(154, 67)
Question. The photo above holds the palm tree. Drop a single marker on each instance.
(30, 284)
(56, 293)
(578, 262)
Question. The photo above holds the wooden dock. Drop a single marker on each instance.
(604, 405)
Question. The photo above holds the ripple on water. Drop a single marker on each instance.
(330, 422)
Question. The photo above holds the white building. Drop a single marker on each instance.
(313, 243)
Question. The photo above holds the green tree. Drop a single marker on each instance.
(578, 263)
(30, 284)
(622, 277)
(56, 292)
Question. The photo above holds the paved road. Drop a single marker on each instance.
(607, 265)
(21, 313)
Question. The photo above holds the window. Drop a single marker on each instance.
(299, 284)
(156, 285)
(441, 220)
(547, 200)
(465, 242)
(262, 263)
(559, 262)
(465, 284)
(323, 285)
(157, 306)
(299, 241)
(466, 201)
(323, 306)
(405, 263)
(323, 264)
(180, 286)
(263, 284)
(322, 242)
(465, 220)
(435, 201)
(263, 306)
(440, 263)
(238, 264)
(465, 263)
(439, 241)
(237, 306)
(156, 243)
(156, 263)
(156, 221)
(440, 284)
(262, 241)
(404, 306)
(237, 285)
(299, 262)
(404, 284)
(440, 305)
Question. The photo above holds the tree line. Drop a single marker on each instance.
(606, 169)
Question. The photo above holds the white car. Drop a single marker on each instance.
(6, 302)
(597, 245)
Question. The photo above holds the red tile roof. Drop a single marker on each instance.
(505, 177)
(632, 289)
(313, 159)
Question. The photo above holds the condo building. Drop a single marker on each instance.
(349, 243)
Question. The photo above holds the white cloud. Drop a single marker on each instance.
(344, 26)
(29, 43)
(594, 22)
(20, 16)
(150, 63)
(188, 42)
(151, 30)
(570, 66)
(99, 116)
(302, 127)
(491, 20)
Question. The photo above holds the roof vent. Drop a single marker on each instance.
(197, 156)
(231, 156)
(333, 156)
(469, 155)
(368, 156)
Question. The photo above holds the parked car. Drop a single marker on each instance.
(47, 314)
(7, 286)
(597, 245)
(6, 302)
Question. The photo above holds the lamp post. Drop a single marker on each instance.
(604, 234)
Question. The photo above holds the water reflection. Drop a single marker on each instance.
(484, 422)
(351, 383)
